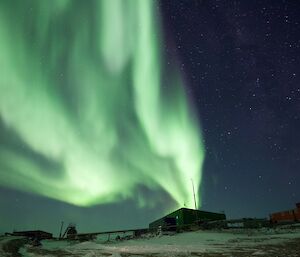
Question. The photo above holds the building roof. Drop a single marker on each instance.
(189, 209)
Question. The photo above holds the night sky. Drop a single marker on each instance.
(242, 59)
(239, 62)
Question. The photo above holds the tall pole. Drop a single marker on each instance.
(61, 228)
(194, 194)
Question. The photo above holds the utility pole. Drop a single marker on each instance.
(194, 194)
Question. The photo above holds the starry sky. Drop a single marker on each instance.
(238, 61)
(241, 59)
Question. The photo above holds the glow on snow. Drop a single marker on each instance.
(81, 89)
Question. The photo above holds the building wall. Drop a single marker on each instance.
(209, 216)
(185, 216)
(177, 215)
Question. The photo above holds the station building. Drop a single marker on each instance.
(185, 217)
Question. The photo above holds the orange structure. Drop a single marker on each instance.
(286, 216)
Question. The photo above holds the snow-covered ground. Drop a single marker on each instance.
(283, 242)
(3, 241)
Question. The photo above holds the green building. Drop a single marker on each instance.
(184, 217)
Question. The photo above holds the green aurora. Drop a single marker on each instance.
(84, 113)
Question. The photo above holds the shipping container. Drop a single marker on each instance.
(286, 216)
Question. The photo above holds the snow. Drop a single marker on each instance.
(24, 253)
(3, 241)
(183, 244)
(56, 244)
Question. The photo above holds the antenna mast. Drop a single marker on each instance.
(194, 194)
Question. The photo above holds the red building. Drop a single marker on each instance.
(286, 216)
